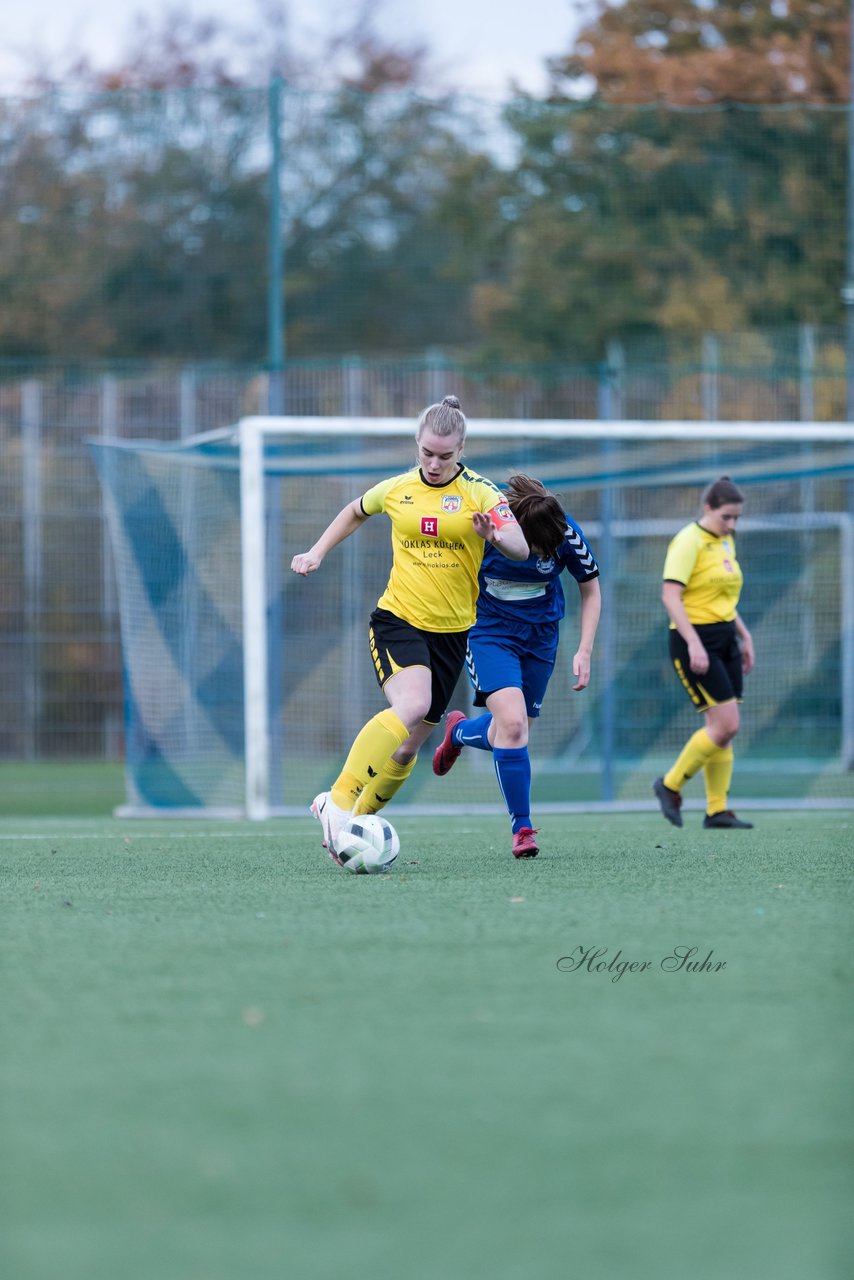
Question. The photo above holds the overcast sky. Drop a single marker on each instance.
(482, 43)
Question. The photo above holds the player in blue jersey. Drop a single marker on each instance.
(512, 647)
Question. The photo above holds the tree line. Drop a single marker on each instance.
(686, 171)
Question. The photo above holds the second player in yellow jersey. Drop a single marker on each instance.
(705, 565)
(711, 650)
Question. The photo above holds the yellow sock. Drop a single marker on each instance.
(693, 757)
(369, 755)
(380, 790)
(717, 773)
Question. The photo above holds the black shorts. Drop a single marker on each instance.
(396, 644)
(724, 680)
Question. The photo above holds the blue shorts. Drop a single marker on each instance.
(500, 656)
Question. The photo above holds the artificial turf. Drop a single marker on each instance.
(224, 1058)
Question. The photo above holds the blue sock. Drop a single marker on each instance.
(472, 733)
(513, 770)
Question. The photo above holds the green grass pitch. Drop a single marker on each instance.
(223, 1058)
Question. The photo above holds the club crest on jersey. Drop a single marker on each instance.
(429, 527)
(503, 511)
(451, 503)
(545, 566)
(728, 566)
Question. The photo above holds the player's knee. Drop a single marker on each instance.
(410, 705)
(415, 719)
(514, 730)
(732, 720)
(724, 727)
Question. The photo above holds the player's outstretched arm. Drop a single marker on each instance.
(509, 539)
(348, 520)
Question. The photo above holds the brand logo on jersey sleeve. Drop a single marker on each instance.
(451, 503)
(429, 527)
(583, 554)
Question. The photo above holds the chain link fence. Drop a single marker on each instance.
(61, 689)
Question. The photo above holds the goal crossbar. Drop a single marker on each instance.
(560, 428)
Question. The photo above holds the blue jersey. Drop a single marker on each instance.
(530, 590)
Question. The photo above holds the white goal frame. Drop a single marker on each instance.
(253, 432)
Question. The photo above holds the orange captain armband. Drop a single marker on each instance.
(501, 515)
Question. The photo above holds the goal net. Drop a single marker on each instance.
(246, 684)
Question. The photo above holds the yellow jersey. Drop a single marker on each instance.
(709, 571)
(436, 553)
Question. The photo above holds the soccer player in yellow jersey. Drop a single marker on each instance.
(711, 649)
(442, 516)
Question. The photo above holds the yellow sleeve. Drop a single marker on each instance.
(487, 497)
(492, 497)
(373, 502)
(681, 556)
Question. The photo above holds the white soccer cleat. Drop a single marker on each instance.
(330, 816)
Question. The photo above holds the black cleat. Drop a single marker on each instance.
(726, 818)
(670, 801)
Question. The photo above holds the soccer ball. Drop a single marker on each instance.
(367, 845)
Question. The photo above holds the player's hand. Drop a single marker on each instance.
(306, 562)
(698, 659)
(484, 527)
(747, 654)
(581, 670)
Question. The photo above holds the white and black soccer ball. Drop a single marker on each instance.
(367, 845)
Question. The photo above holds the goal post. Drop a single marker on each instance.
(275, 680)
(256, 684)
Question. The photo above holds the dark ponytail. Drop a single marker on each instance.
(721, 492)
(539, 513)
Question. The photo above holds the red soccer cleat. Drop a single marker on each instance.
(448, 753)
(525, 843)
